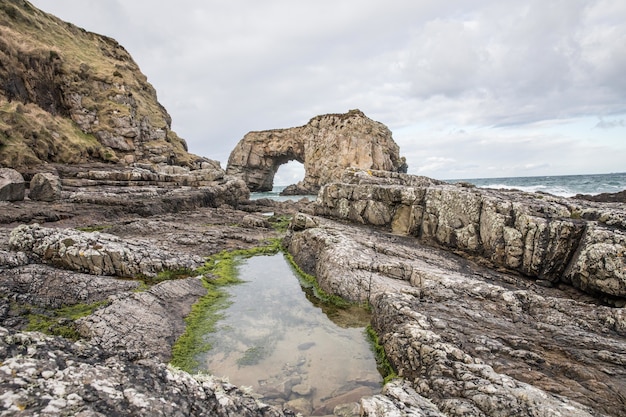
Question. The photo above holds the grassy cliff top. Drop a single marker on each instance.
(68, 95)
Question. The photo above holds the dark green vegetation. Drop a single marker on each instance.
(166, 275)
(384, 366)
(61, 321)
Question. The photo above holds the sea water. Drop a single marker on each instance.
(560, 185)
(279, 340)
(275, 195)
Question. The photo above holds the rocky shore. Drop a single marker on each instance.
(486, 303)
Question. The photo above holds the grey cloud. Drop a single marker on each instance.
(225, 68)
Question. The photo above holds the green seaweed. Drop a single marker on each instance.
(219, 271)
(61, 321)
(384, 365)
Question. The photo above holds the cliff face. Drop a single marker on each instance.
(326, 146)
(72, 96)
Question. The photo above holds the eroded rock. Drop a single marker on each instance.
(326, 146)
(468, 339)
(144, 324)
(541, 236)
(96, 253)
(51, 376)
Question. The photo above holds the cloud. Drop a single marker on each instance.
(610, 124)
(493, 68)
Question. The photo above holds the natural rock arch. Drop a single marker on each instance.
(326, 146)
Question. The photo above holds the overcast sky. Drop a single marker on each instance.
(470, 89)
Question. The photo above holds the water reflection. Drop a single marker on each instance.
(283, 346)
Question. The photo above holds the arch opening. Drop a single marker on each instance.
(291, 172)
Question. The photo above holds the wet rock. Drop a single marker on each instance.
(45, 186)
(302, 390)
(12, 185)
(348, 410)
(96, 253)
(43, 375)
(329, 404)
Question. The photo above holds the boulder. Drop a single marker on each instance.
(45, 186)
(326, 146)
(12, 185)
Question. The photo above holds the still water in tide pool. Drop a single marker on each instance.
(277, 339)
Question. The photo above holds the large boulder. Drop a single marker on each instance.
(12, 185)
(326, 145)
(45, 186)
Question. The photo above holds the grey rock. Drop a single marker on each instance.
(43, 375)
(45, 286)
(96, 253)
(469, 339)
(541, 236)
(144, 324)
(45, 186)
(12, 185)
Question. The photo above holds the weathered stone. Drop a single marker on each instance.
(326, 146)
(45, 186)
(96, 253)
(12, 186)
(471, 340)
(42, 375)
(44, 286)
(145, 324)
(540, 236)
(398, 399)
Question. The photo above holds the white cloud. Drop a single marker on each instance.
(517, 77)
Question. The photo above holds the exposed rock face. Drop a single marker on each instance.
(134, 324)
(96, 253)
(326, 146)
(72, 96)
(12, 186)
(45, 186)
(469, 340)
(544, 237)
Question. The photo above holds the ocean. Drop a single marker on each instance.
(560, 185)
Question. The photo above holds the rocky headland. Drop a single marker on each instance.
(486, 303)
